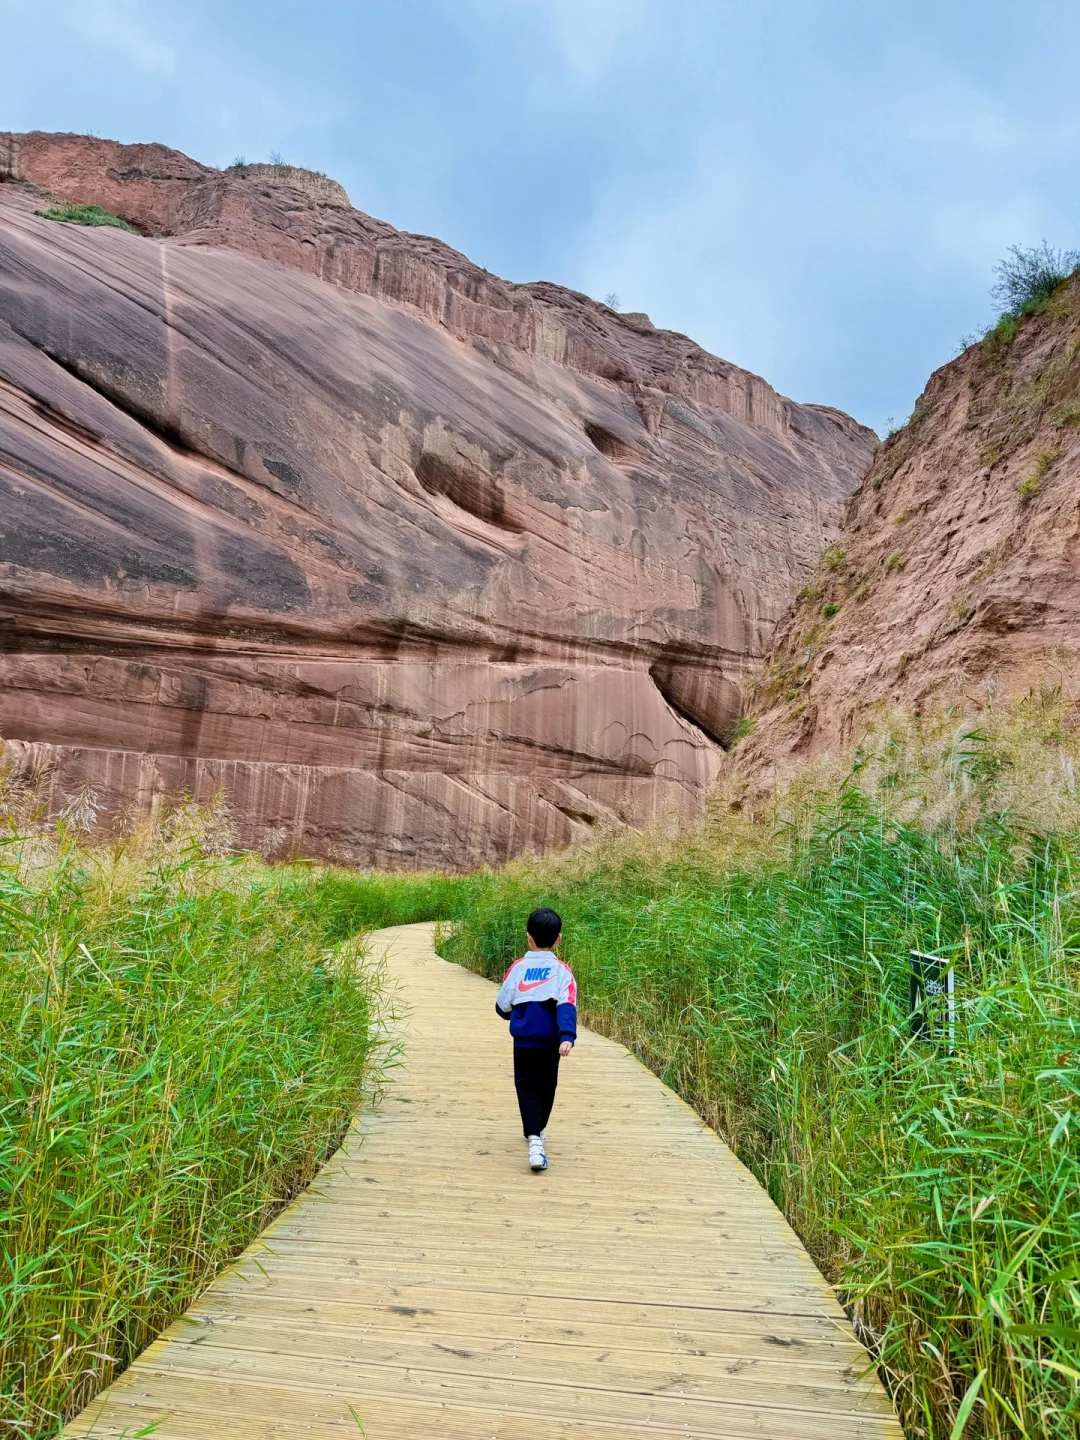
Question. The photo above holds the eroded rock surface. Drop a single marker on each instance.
(422, 567)
(956, 576)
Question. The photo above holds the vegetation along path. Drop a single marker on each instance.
(429, 1284)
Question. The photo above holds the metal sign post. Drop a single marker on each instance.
(931, 977)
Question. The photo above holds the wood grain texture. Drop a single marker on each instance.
(430, 1285)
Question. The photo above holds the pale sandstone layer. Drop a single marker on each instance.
(420, 566)
(956, 576)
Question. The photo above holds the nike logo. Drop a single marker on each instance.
(530, 984)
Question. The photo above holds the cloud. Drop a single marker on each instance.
(124, 28)
(565, 42)
(836, 235)
(816, 189)
(590, 35)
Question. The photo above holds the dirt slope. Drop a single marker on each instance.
(420, 566)
(957, 572)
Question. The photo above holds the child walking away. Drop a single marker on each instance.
(539, 998)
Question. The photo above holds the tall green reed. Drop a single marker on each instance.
(178, 1054)
(349, 902)
(767, 981)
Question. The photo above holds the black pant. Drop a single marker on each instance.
(536, 1073)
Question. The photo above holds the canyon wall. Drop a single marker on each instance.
(417, 565)
(956, 577)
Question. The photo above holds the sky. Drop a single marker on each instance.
(817, 190)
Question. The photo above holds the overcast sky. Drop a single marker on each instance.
(814, 189)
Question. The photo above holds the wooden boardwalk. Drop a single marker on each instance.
(430, 1285)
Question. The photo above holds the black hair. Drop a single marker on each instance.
(544, 926)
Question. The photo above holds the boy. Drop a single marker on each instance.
(539, 998)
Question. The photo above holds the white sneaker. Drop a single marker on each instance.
(537, 1157)
(543, 1137)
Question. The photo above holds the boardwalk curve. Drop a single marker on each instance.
(429, 1285)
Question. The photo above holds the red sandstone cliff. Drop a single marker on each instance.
(419, 565)
(957, 572)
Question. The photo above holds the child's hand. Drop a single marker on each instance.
(565, 1048)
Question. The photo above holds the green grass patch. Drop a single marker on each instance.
(1029, 486)
(1002, 332)
(86, 215)
(760, 967)
(833, 559)
(181, 1046)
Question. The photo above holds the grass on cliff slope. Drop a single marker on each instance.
(761, 968)
(177, 1057)
(86, 215)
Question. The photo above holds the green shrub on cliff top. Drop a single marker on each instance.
(1029, 275)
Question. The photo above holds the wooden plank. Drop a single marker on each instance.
(807, 1341)
(643, 1284)
(238, 1347)
(484, 1335)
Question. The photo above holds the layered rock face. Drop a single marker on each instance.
(419, 566)
(957, 573)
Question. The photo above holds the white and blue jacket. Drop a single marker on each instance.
(539, 998)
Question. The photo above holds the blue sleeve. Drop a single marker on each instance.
(503, 1014)
(566, 1019)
